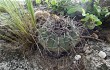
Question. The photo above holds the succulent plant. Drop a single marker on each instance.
(58, 35)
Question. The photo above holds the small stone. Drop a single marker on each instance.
(102, 54)
(74, 62)
(77, 57)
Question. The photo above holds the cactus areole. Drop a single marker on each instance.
(58, 35)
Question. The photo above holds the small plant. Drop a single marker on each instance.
(56, 5)
(94, 15)
(97, 10)
(90, 21)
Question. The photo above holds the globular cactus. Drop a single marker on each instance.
(58, 36)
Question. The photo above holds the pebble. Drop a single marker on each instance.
(102, 54)
(77, 57)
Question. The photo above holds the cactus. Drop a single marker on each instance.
(58, 35)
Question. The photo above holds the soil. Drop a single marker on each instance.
(13, 59)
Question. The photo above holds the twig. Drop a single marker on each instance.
(89, 37)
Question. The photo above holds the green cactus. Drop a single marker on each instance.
(60, 35)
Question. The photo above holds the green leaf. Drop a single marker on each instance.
(107, 14)
(98, 23)
(47, 1)
(73, 9)
(91, 26)
(83, 12)
(53, 2)
(38, 1)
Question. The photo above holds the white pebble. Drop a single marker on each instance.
(102, 54)
(77, 57)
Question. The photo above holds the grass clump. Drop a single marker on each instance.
(18, 24)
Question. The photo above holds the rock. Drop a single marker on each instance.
(102, 54)
(77, 57)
